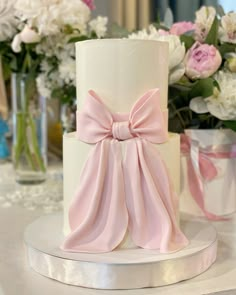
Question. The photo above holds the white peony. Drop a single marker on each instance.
(176, 50)
(222, 104)
(227, 30)
(8, 21)
(50, 17)
(67, 71)
(176, 57)
(99, 26)
(204, 20)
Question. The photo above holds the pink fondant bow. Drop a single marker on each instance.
(116, 194)
(201, 167)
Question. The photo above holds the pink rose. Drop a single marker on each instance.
(90, 4)
(181, 28)
(201, 61)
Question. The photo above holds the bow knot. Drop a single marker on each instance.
(121, 130)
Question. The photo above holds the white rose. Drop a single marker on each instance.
(227, 30)
(204, 20)
(222, 104)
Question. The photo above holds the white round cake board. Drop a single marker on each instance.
(122, 268)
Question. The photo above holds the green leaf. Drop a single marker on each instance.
(78, 38)
(118, 31)
(230, 124)
(159, 26)
(187, 40)
(226, 48)
(212, 37)
(203, 87)
(220, 10)
(168, 18)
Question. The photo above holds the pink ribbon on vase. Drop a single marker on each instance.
(117, 194)
(3, 95)
(201, 167)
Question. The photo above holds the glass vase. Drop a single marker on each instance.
(29, 153)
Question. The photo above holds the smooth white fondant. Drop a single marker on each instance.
(75, 154)
(121, 70)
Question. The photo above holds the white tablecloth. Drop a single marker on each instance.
(16, 277)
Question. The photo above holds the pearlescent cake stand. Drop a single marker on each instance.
(122, 268)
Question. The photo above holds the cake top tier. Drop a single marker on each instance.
(121, 70)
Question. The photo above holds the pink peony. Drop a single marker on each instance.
(181, 28)
(90, 4)
(201, 61)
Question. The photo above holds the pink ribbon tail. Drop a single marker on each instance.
(151, 200)
(98, 215)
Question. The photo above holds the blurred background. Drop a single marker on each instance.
(137, 14)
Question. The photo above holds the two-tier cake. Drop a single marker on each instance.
(122, 108)
(121, 226)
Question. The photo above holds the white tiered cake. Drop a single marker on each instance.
(120, 71)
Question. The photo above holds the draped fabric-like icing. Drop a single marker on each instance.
(117, 194)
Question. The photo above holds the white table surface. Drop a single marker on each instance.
(16, 277)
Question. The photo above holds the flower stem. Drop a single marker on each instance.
(35, 145)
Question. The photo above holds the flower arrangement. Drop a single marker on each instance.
(47, 31)
(37, 44)
(202, 79)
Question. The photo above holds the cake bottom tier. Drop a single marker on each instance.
(75, 154)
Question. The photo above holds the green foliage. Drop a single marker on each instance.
(212, 37)
(78, 38)
(226, 48)
(187, 40)
(118, 31)
(66, 94)
(180, 115)
(203, 87)
(220, 10)
(230, 125)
